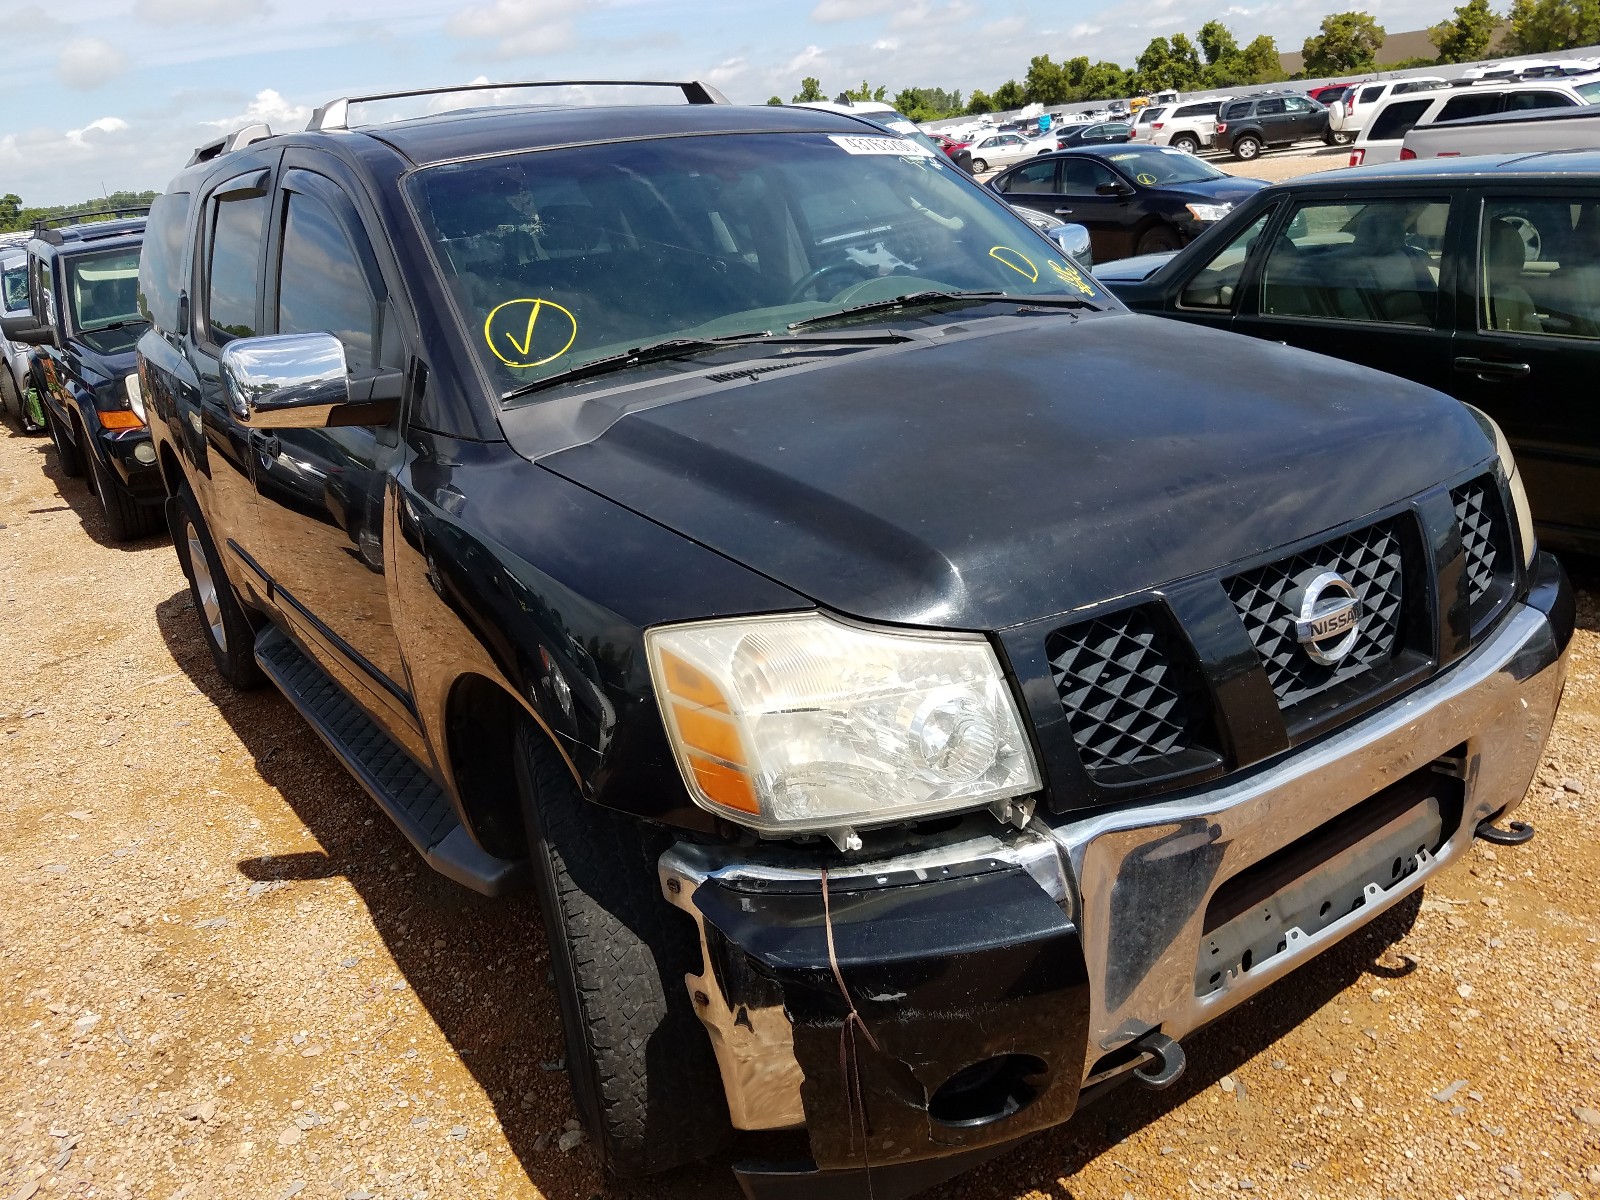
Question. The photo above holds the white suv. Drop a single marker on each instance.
(1187, 127)
(1381, 140)
(1348, 115)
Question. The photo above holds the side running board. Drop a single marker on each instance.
(405, 792)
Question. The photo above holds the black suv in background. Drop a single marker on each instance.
(904, 692)
(83, 278)
(1251, 124)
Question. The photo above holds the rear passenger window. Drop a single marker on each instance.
(1473, 104)
(1373, 262)
(233, 269)
(1368, 95)
(322, 285)
(1396, 118)
(161, 263)
(1539, 271)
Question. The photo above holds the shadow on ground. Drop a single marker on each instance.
(79, 496)
(479, 967)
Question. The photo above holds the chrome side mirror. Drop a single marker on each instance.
(1074, 242)
(286, 381)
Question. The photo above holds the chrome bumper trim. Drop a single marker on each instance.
(1500, 701)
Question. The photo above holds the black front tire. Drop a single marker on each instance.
(126, 517)
(223, 622)
(68, 455)
(640, 1062)
(1158, 240)
(1247, 148)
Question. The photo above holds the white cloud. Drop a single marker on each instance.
(726, 71)
(177, 12)
(921, 13)
(80, 137)
(268, 108)
(887, 44)
(505, 17)
(87, 63)
(829, 11)
(810, 59)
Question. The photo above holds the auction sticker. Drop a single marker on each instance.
(898, 147)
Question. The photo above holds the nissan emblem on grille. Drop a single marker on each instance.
(1329, 618)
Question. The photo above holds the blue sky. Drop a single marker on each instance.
(116, 93)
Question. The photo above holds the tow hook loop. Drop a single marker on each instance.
(1519, 832)
(1166, 1064)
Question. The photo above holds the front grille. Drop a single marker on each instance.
(1484, 543)
(1130, 688)
(1266, 599)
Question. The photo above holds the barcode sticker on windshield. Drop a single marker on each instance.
(899, 147)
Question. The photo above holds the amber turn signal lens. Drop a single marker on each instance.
(708, 735)
(120, 419)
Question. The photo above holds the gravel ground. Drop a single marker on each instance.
(222, 973)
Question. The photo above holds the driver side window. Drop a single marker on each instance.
(1035, 179)
(1080, 176)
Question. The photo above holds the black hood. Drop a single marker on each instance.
(983, 482)
(1228, 190)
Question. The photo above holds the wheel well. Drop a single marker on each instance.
(481, 721)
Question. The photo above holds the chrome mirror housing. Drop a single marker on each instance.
(1074, 241)
(285, 381)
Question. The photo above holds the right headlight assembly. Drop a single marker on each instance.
(798, 723)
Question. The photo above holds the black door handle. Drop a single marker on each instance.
(266, 445)
(1486, 368)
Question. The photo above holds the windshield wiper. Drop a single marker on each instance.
(669, 348)
(931, 298)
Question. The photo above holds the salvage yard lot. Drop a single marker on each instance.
(223, 973)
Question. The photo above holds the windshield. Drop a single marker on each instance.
(14, 285)
(557, 258)
(103, 288)
(1158, 167)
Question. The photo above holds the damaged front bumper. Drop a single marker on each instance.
(999, 978)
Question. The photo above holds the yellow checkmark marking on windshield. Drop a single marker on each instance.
(1017, 261)
(533, 342)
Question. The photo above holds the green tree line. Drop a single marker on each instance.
(15, 215)
(1346, 43)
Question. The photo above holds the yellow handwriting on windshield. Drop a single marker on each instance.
(1017, 261)
(529, 332)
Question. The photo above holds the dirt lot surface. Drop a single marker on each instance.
(223, 974)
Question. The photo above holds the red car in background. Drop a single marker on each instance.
(948, 145)
(1327, 93)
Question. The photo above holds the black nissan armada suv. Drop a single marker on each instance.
(83, 284)
(916, 709)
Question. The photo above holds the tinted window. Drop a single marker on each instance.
(161, 266)
(43, 300)
(234, 270)
(1269, 108)
(1539, 271)
(1368, 95)
(1033, 179)
(1080, 176)
(1375, 261)
(1236, 111)
(1295, 104)
(322, 287)
(1473, 104)
(1523, 101)
(1396, 118)
(1215, 284)
(1197, 110)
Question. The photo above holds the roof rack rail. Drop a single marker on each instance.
(48, 228)
(335, 113)
(228, 143)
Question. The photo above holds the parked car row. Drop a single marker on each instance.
(917, 704)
